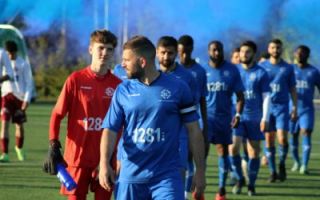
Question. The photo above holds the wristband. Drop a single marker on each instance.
(238, 115)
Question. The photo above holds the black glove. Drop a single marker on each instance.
(54, 158)
(19, 117)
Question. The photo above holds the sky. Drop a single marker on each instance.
(231, 21)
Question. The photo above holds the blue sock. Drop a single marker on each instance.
(306, 149)
(224, 165)
(189, 176)
(270, 153)
(283, 151)
(253, 166)
(236, 166)
(295, 147)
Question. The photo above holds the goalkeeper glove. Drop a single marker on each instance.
(54, 158)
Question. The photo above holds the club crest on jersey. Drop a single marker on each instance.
(309, 74)
(109, 91)
(282, 69)
(252, 76)
(226, 73)
(165, 94)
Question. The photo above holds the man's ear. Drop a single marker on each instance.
(90, 49)
(142, 61)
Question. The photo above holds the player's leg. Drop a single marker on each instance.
(294, 144)
(235, 158)
(223, 163)
(253, 164)
(7, 108)
(19, 141)
(170, 188)
(306, 150)
(283, 152)
(270, 149)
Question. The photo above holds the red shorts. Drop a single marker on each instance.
(9, 105)
(86, 178)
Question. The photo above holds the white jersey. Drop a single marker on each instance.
(5, 65)
(21, 86)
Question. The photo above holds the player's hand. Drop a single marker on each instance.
(19, 116)
(264, 126)
(106, 177)
(54, 158)
(235, 122)
(199, 183)
(294, 115)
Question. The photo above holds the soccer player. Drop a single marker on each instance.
(223, 79)
(235, 56)
(152, 106)
(282, 83)
(167, 48)
(119, 72)
(85, 98)
(255, 115)
(6, 74)
(185, 48)
(16, 96)
(307, 78)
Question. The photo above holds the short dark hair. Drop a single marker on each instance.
(237, 49)
(141, 46)
(218, 43)
(276, 41)
(304, 48)
(11, 46)
(167, 41)
(103, 36)
(250, 44)
(264, 55)
(186, 40)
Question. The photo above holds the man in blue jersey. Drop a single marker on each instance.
(119, 72)
(185, 48)
(307, 78)
(152, 108)
(255, 115)
(223, 79)
(167, 47)
(282, 83)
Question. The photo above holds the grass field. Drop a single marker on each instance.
(25, 180)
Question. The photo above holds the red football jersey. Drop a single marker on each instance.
(85, 98)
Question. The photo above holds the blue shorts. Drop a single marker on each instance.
(219, 130)
(167, 188)
(249, 129)
(305, 121)
(279, 117)
(183, 152)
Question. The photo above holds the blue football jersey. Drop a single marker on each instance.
(307, 78)
(282, 79)
(152, 117)
(255, 81)
(120, 72)
(222, 82)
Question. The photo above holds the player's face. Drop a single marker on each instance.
(131, 63)
(235, 58)
(215, 53)
(102, 54)
(275, 50)
(184, 53)
(301, 56)
(246, 55)
(166, 56)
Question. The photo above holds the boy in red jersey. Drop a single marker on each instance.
(85, 98)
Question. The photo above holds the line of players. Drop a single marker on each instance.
(261, 111)
(152, 106)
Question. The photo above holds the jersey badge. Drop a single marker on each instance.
(165, 94)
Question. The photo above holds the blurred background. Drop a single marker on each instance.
(57, 32)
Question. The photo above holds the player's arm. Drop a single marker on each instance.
(107, 145)
(265, 111)
(27, 76)
(203, 110)
(196, 143)
(8, 72)
(239, 109)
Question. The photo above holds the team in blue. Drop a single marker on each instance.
(168, 116)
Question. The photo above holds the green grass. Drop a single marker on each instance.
(25, 180)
